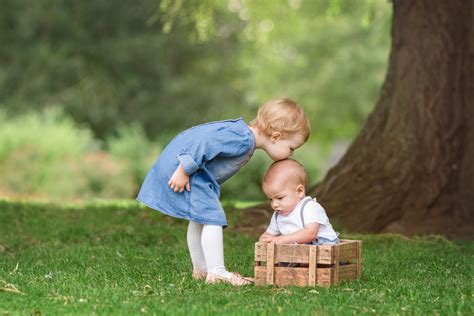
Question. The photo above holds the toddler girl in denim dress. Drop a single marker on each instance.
(297, 218)
(185, 180)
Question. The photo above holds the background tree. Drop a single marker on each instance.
(410, 169)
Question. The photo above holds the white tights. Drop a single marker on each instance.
(206, 247)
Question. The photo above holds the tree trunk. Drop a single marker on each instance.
(411, 168)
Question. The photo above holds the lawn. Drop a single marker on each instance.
(122, 259)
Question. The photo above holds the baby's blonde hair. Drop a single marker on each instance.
(286, 171)
(284, 116)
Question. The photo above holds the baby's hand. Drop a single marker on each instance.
(179, 180)
(268, 239)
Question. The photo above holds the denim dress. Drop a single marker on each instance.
(210, 154)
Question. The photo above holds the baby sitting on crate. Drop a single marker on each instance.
(298, 219)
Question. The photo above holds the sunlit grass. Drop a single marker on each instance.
(121, 258)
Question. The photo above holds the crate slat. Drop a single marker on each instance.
(285, 276)
(294, 253)
(348, 251)
(348, 272)
(336, 266)
(313, 251)
(270, 262)
(359, 258)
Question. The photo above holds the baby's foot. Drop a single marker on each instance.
(236, 279)
(199, 275)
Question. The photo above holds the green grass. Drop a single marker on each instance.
(119, 258)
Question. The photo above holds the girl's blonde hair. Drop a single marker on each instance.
(284, 116)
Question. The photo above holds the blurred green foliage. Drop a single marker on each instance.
(47, 155)
(329, 55)
(123, 77)
(132, 146)
(107, 63)
(172, 64)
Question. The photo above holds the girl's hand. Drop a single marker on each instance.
(179, 180)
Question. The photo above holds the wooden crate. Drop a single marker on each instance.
(323, 265)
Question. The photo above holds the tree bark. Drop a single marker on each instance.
(411, 168)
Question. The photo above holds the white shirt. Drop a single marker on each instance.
(313, 213)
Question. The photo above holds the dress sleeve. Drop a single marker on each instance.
(273, 227)
(224, 142)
